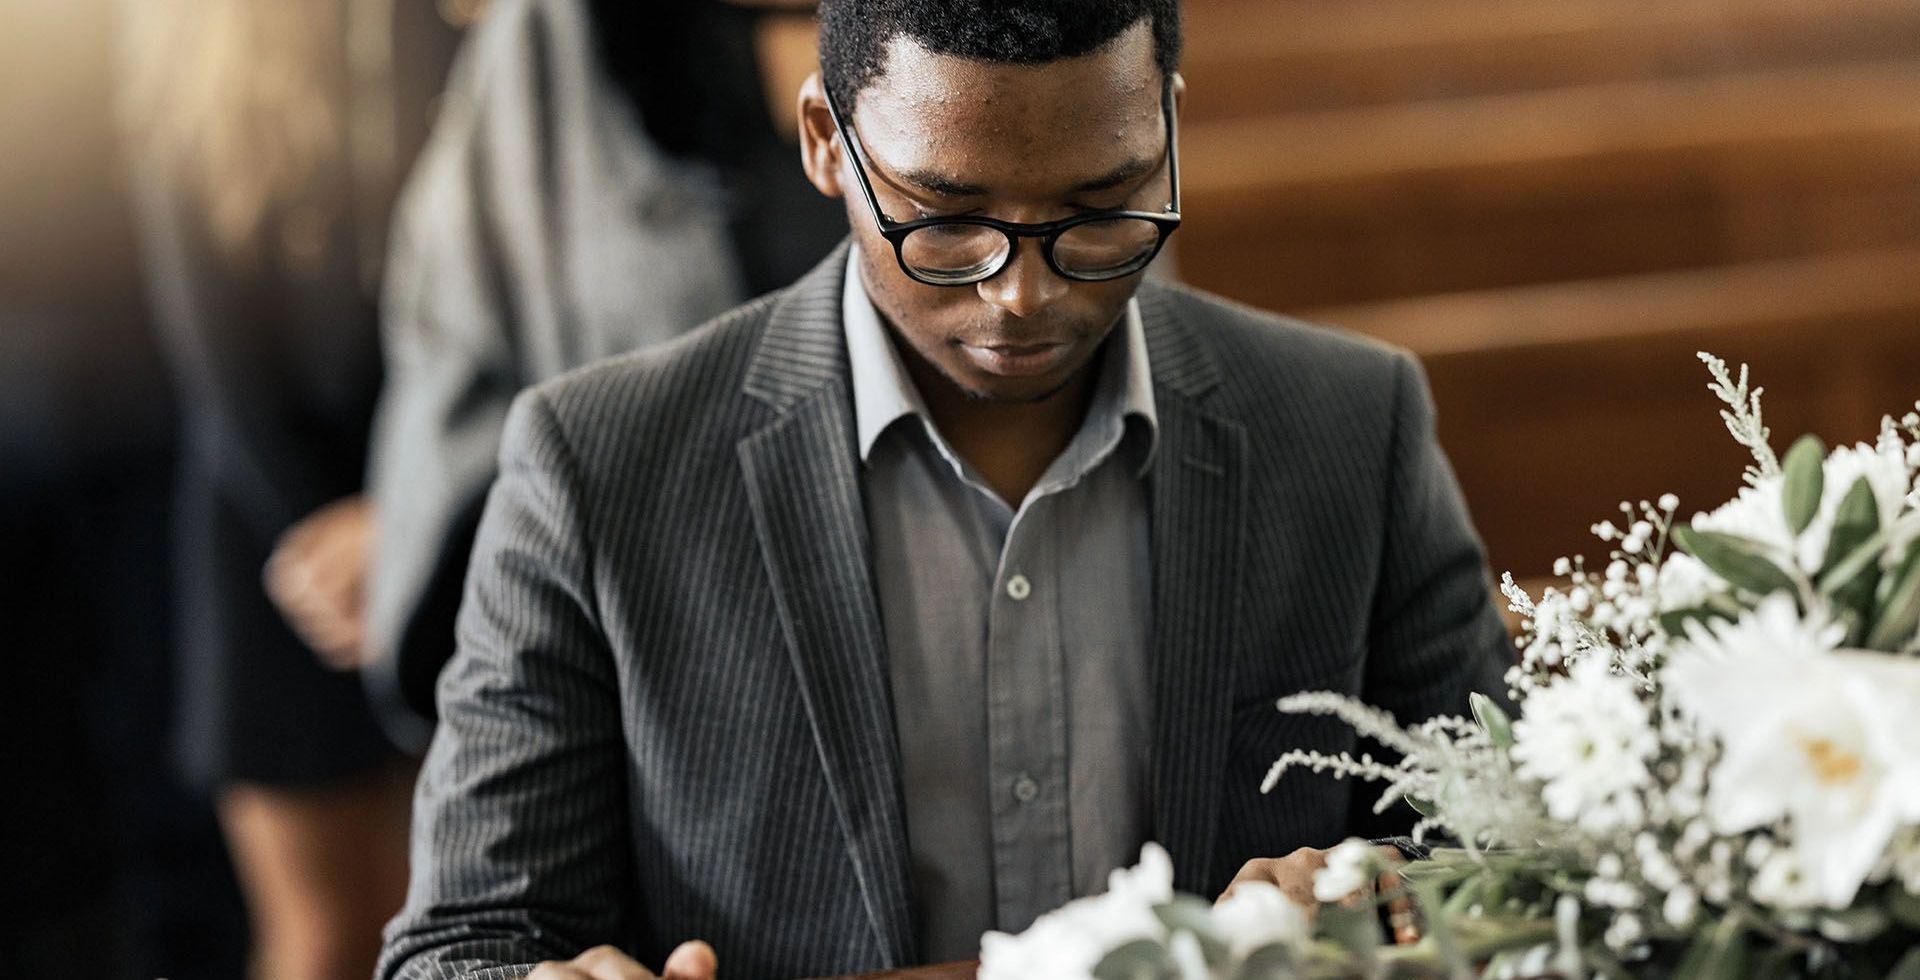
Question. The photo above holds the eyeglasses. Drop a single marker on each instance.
(962, 250)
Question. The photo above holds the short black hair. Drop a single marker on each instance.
(854, 34)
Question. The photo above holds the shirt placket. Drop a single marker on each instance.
(1027, 726)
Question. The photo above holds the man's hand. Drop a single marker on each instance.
(317, 577)
(690, 961)
(1294, 876)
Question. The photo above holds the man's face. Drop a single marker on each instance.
(1023, 143)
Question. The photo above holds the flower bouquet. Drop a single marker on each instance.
(1713, 773)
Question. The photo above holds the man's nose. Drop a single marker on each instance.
(1026, 286)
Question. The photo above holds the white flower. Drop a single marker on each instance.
(1624, 931)
(1773, 628)
(1070, 941)
(1259, 914)
(1588, 738)
(1783, 883)
(1350, 868)
(1827, 743)
(1680, 907)
(1757, 513)
(1684, 583)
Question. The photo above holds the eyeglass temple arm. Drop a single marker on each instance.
(857, 155)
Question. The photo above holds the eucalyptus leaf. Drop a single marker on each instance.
(1189, 914)
(1855, 925)
(1779, 963)
(1743, 562)
(1855, 520)
(1675, 622)
(1273, 962)
(1908, 968)
(1356, 930)
(1899, 612)
(1142, 959)
(1719, 953)
(1864, 555)
(1804, 480)
(1440, 931)
(1904, 906)
(1499, 727)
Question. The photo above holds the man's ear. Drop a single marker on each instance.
(820, 152)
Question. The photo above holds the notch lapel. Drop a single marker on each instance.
(803, 486)
(1198, 490)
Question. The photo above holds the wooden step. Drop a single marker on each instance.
(1558, 401)
(1601, 180)
(1259, 57)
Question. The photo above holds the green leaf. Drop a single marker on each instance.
(1719, 953)
(1854, 522)
(1854, 926)
(1863, 556)
(1743, 562)
(1189, 914)
(1899, 611)
(1356, 930)
(1488, 714)
(1904, 906)
(1273, 962)
(1425, 808)
(1804, 481)
(1778, 963)
(1675, 622)
(1908, 968)
(1142, 959)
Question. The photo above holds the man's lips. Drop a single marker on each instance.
(1017, 360)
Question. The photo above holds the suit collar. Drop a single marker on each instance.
(802, 351)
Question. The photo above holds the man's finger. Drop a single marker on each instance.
(1402, 917)
(609, 963)
(551, 970)
(692, 961)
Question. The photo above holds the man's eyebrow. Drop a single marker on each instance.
(941, 184)
(938, 183)
(1125, 173)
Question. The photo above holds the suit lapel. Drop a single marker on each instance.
(803, 485)
(1197, 489)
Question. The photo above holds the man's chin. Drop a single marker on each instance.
(1008, 391)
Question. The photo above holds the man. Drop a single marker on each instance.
(909, 601)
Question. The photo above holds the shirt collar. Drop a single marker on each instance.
(883, 393)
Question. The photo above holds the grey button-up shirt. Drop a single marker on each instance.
(1017, 644)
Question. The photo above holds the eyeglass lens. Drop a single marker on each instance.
(958, 253)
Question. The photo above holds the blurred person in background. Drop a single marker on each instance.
(108, 868)
(266, 137)
(604, 174)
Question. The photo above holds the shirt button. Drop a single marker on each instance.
(1018, 588)
(1025, 789)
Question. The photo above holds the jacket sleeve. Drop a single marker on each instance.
(1436, 635)
(520, 835)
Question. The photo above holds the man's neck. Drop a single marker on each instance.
(1010, 444)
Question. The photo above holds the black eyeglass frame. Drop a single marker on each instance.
(896, 232)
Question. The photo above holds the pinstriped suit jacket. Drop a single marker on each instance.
(669, 714)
